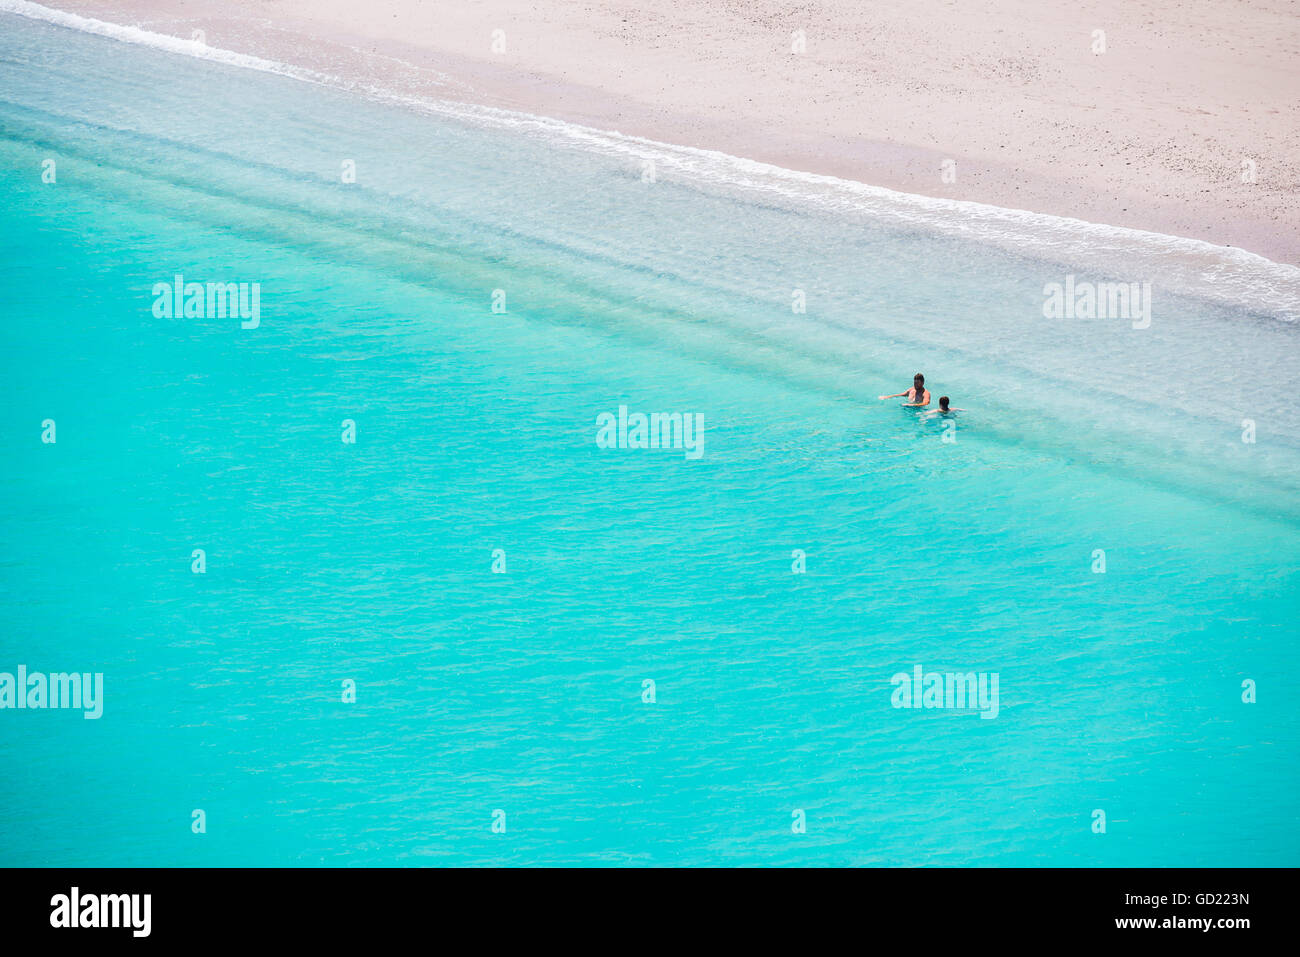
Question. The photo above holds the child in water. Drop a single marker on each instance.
(943, 407)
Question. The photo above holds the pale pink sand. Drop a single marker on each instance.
(1151, 134)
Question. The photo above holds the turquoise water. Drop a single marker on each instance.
(475, 431)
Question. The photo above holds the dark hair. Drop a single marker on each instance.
(943, 402)
(919, 378)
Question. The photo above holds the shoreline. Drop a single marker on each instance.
(1260, 218)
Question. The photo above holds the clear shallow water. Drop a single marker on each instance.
(476, 431)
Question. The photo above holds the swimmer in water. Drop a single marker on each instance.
(919, 394)
(943, 406)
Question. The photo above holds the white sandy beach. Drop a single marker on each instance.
(1165, 130)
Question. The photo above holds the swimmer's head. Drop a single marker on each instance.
(918, 382)
(943, 403)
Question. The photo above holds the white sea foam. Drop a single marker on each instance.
(116, 31)
(1193, 267)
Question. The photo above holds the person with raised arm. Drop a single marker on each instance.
(918, 394)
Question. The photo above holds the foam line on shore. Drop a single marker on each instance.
(1194, 267)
